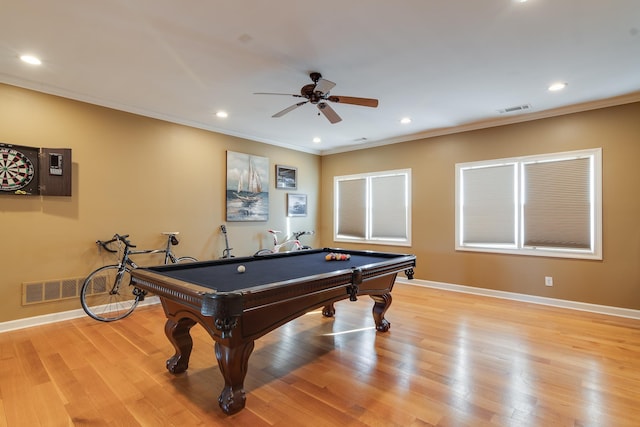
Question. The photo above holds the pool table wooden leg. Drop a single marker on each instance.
(329, 310)
(381, 305)
(233, 363)
(179, 336)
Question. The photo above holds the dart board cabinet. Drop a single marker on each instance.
(33, 171)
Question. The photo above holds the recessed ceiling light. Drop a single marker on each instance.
(30, 59)
(405, 120)
(222, 114)
(317, 140)
(557, 86)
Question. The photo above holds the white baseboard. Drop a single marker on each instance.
(12, 325)
(573, 305)
(593, 308)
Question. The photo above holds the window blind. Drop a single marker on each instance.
(489, 205)
(557, 204)
(352, 208)
(388, 207)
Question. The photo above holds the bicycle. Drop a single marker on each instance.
(226, 253)
(291, 244)
(106, 294)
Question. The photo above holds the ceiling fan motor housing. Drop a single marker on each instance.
(308, 92)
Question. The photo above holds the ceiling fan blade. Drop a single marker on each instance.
(329, 112)
(365, 102)
(271, 93)
(324, 86)
(288, 109)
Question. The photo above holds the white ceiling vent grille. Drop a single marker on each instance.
(515, 109)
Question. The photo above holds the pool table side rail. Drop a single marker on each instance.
(192, 294)
(344, 276)
(390, 256)
(163, 286)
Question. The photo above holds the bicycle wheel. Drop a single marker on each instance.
(186, 259)
(107, 295)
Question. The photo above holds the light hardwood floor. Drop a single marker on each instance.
(450, 359)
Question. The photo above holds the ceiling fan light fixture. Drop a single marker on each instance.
(405, 120)
(317, 140)
(222, 114)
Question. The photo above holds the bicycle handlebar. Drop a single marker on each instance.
(297, 234)
(116, 237)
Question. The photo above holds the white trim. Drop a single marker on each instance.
(370, 207)
(572, 305)
(44, 319)
(553, 302)
(517, 246)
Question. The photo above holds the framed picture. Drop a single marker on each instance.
(247, 187)
(296, 204)
(286, 177)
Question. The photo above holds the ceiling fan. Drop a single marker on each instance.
(317, 93)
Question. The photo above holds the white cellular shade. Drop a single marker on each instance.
(557, 204)
(352, 208)
(373, 208)
(388, 207)
(489, 205)
(542, 205)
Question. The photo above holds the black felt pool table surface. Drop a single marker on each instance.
(223, 276)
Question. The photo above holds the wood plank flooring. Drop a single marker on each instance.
(450, 359)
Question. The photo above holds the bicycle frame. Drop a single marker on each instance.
(168, 253)
(126, 255)
(291, 243)
(118, 300)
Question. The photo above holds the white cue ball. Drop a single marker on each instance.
(241, 269)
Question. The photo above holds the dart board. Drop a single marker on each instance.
(18, 168)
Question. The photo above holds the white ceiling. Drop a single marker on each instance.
(447, 64)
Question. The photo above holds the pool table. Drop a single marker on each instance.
(237, 308)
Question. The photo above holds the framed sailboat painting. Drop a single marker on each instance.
(247, 187)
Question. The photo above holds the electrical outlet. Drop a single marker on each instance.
(548, 281)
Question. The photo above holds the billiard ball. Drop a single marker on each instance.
(241, 269)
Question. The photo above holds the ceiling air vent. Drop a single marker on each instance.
(515, 109)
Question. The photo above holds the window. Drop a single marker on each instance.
(373, 208)
(547, 205)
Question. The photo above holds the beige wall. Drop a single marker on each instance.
(142, 176)
(614, 281)
(133, 175)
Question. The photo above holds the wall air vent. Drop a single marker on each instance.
(515, 109)
(52, 290)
